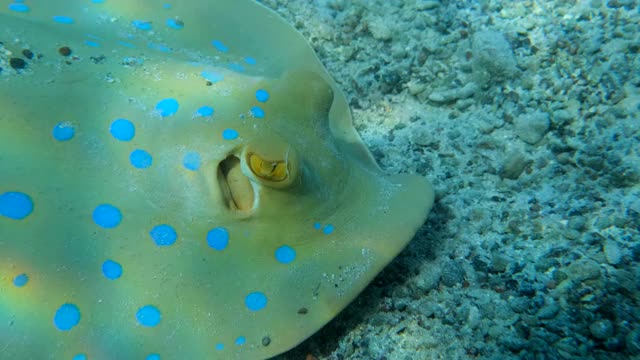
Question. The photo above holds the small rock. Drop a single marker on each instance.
(601, 329)
(452, 273)
(513, 165)
(612, 252)
(548, 311)
(632, 341)
(531, 128)
(584, 269)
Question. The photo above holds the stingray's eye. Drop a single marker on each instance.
(274, 163)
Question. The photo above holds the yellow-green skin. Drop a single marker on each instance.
(199, 291)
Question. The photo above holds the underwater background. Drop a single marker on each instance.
(524, 115)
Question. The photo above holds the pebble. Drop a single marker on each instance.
(513, 165)
(532, 127)
(612, 252)
(452, 273)
(601, 329)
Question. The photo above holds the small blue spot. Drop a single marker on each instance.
(262, 95)
(257, 112)
(163, 235)
(127, 44)
(191, 161)
(153, 357)
(140, 159)
(255, 301)
(92, 43)
(148, 315)
(67, 316)
(97, 1)
(328, 229)
(15, 205)
(167, 107)
(166, 6)
(205, 111)
(80, 356)
(219, 346)
(175, 24)
(160, 47)
(212, 76)
(317, 226)
(107, 216)
(63, 19)
(229, 134)
(63, 131)
(241, 340)
(122, 129)
(285, 254)
(249, 60)
(21, 280)
(141, 25)
(218, 238)
(220, 46)
(111, 269)
(236, 67)
(17, 7)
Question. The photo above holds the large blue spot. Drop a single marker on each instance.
(80, 357)
(122, 129)
(229, 134)
(17, 7)
(141, 24)
(111, 269)
(21, 280)
(205, 111)
(220, 46)
(107, 216)
(167, 107)
(262, 95)
(148, 315)
(257, 112)
(218, 238)
(212, 76)
(328, 229)
(175, 24)
(63, 19)
(241, 340)
(219, 346)
(163, 235)
(63, 131)
(153, 357)
(140, 159)
(255, 301)
(15, 205)
(191, 161)
(285, 254)
(67, 316)
(249, 60)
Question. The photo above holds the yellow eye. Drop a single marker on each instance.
(271, 170)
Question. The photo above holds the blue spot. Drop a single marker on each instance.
(160, 47)
(167, 107)
(97, 1)
(148, 315)
(140, 159)
(92, 43)
(80, 356)
(257, 112)
(127, 44)
(63, 19)
(219, 346)
(175, 24)
(163, 235)
(212, 76)
(67, 316)
(141, 24)
(111, 269)
(218, 238)
(220, 46)
(107, 216)
(15, 205)
(241, 340)
(205, 111)
(17, 7)
(21, 280)
(328, 229)
(63, 131)
(166, 6)
(153, 357)
(249, 60)
(191, 161)
(236, 67)
(255, 301)
(285, 254)
(262, 95)
(317, 226)
(122, 129)
(229, 134)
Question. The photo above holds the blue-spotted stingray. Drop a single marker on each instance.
(180, 181)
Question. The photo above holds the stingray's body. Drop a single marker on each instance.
(181, 181)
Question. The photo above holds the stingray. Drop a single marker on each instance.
(180, 181)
